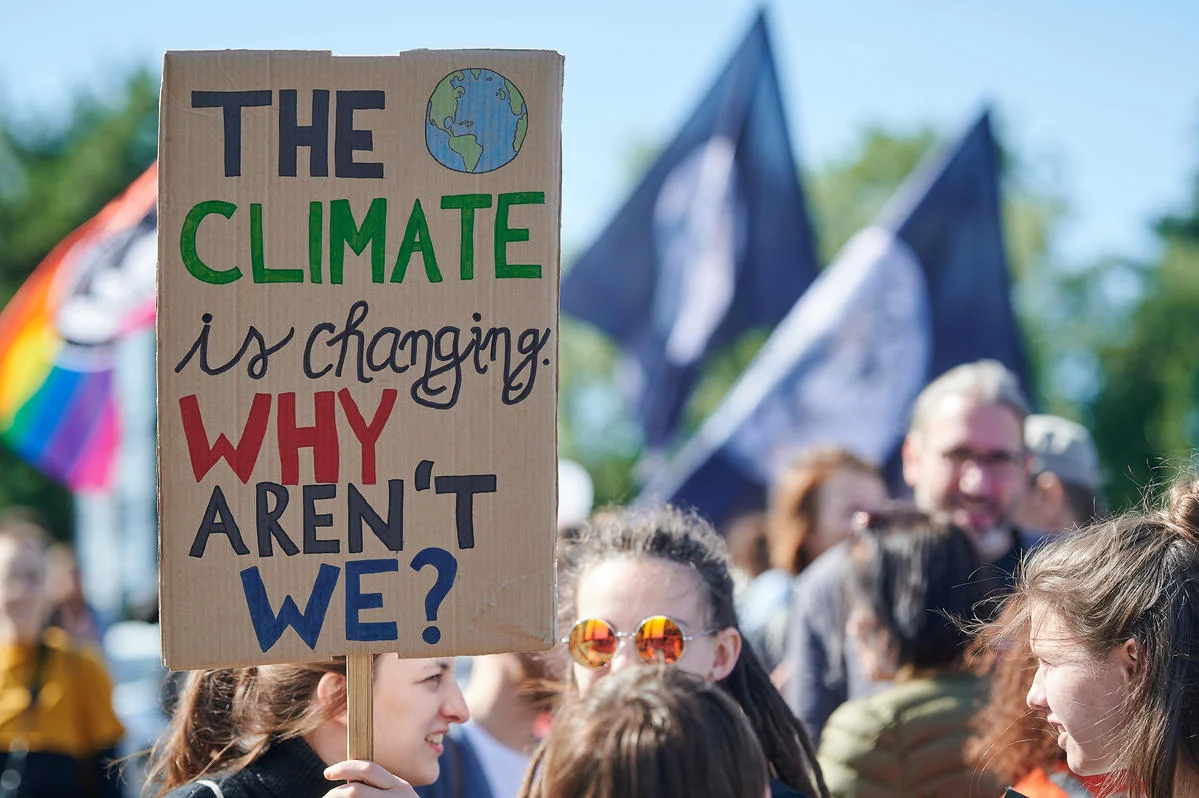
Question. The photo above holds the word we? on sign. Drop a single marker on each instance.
(357, 354)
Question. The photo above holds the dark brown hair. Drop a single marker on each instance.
(795, 503)
(1133, 577)
(645, 733)
(686, 539)
(228, 717)
(911, 581)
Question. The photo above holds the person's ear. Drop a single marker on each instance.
(1130, 659)
(728, 650)
(910, 455)
(331, 695)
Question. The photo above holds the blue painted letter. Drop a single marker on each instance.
(356, 600)
(269, 627)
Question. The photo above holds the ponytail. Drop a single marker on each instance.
(228, 717)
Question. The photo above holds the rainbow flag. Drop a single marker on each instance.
(57, 403)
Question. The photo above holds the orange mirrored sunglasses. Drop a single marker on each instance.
(658, 638)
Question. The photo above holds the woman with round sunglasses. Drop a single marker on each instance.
(646, 587)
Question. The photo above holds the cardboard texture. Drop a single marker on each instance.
(357, 354)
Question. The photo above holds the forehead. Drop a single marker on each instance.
(393, 665)
(625, 591)
(852, 484)
(13, 548)
(1048, 632)
(965, 422)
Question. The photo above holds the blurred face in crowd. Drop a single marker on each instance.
(1083, 695)
(845, 492)
(967, 460)
(416, 700)
(626, 591)
(22, 588)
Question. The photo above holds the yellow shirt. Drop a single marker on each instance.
(74, 714)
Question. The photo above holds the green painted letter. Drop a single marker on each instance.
(316, 225)
(467, 203)
(416, 235)
(343, 230)
(262, 272)
(187, 243)
(504, 235)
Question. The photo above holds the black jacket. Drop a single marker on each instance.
(287, 770)
(780, 790)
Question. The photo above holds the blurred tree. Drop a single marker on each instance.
(1146, 408)
(56, 172)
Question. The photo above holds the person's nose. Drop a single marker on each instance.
(625, 656)
(1036, 694)
(454, 709)
(975, 479)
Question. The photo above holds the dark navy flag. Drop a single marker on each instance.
(714, 241)
(922, 290)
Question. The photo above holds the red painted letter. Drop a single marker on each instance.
(241, 458)
(321, 437)
(368, 434)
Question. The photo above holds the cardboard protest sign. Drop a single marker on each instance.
(357, 354)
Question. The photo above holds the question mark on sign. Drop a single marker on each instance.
(446, 566)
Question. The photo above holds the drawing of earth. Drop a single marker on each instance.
(476, 121)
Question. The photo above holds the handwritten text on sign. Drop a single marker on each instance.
(357, 317)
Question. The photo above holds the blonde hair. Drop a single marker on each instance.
(1133, 577)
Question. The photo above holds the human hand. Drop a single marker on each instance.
(366, 780)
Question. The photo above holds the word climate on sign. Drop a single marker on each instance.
(358, 286)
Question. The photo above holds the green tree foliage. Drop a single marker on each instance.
(55, 173)
(1146, 409)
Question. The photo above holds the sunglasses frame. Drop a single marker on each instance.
(618, 636)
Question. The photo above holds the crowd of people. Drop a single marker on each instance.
(991, 628)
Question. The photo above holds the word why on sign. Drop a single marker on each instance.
(437, 357)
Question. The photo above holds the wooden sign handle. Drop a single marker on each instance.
(360, 673)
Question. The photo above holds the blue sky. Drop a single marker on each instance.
(1101, 98)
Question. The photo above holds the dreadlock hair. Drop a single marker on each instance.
(685, 539)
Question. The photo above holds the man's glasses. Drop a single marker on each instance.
(593, 641)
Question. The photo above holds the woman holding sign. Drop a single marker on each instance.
(655, 587)
(281, 730)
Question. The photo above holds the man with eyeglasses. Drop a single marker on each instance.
(964, 459)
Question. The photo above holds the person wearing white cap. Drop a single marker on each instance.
(1066, 487)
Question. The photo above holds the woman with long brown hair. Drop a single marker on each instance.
(281, 730)
(811, 508)
(1014, 743)
(1112, 619)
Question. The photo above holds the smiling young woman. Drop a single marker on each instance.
(1112, 615)
(282, 730)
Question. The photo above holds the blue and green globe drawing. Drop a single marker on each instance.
(476, 121)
